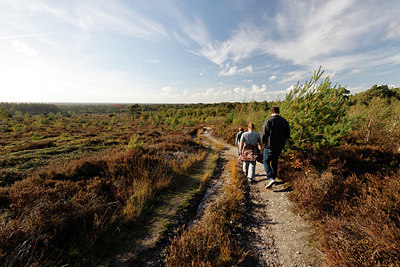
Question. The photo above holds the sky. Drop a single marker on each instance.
(184, 51)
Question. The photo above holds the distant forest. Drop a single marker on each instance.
(43, 108)
(381, 91)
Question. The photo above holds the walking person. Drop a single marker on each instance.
(250, 143)
(274, 133)
(238, 137)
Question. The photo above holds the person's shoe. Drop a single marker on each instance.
(270, 183)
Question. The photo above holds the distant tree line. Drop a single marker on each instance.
(30, 108)
(43, 108)
(381, 91)
(92, 108)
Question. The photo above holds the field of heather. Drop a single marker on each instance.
(68, 182)
(78, 186)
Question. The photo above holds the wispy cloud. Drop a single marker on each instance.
(234, 70)
(321, 32)
(258, 93)
(167, 89)
(280, 47)
(15, 36)
(394, 30)
(294, 76)
(112, 16)
(306, 34)
(23, 48)
(245, 40)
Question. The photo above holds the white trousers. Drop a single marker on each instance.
(249, 167)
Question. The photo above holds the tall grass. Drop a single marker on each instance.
(71, 212)
(378, 122)
(210, 242)
(183, 162)
(73, 206)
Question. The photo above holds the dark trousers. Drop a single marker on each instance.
(270, 161)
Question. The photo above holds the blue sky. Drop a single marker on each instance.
(173, 51)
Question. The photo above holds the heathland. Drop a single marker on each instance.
(78, 181)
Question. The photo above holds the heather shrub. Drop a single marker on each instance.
(353, 195)
(72, 208)
(227, 133)
(367, 232)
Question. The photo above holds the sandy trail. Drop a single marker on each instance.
(277, 235)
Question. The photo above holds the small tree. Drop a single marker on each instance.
(19, 114)
(175, 122)
(317, 112)
(132, 110)
(4, 114)
(134, 142)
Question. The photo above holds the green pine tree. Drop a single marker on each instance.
(317, 113)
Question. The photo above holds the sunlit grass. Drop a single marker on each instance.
(210, 242)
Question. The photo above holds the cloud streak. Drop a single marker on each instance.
(234, 70)
(23, 48)
(246, 40)
(112, 16)
(306, 34)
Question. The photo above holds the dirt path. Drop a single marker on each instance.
(276, 235)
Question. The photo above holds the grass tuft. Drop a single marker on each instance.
(210, 242)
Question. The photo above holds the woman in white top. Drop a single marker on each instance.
(250, 145)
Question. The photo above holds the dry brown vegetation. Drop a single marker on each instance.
(210, 242)
(72, 206)
(226, 133)
(70, 184)
(353, 195)
(351, 192)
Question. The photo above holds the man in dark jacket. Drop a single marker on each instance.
(274, 134)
